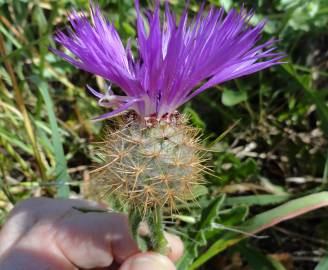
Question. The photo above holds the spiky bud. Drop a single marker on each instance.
(149, 163)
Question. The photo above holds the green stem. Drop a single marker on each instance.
(134, 222)
(156, 240)
(155, 223)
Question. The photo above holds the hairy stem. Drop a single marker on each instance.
(155, 223)
(155, 240)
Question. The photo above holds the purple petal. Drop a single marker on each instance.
(94, 92)
(173, 59)
(115, 112)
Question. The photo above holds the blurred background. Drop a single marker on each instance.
(267, 132)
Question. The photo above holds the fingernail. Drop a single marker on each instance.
(148, 261)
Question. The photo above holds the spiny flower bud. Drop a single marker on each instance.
(149, 163)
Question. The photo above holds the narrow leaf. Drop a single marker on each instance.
(256, 200)
(323, 264)
(62, 176)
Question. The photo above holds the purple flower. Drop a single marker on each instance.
(173, 57)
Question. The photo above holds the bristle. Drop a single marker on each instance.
(148, 166)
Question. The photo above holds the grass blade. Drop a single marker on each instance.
(21, 105)
(256, 200)
(323, 264)
(62, 176)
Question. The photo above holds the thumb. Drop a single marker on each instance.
(148, 261)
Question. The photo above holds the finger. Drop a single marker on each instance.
(16, 226)
(175, 246)
(22, 259)
(93, 240)
(27, 213)
(36, 250)
(19, 221)
(148, 261)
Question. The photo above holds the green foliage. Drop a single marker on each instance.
(232, 98)
(261, 222)
(257, 260)
(62, 177)
(267, 132)
(323, 264)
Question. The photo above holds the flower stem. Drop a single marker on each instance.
(155, 240)
(155, 223)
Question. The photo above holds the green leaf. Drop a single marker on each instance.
(211, 212)
(232, 98)
(263, 221)
(10, 37)
(256, 200)
(257, 260)
(197, 191)
(323, 264)
(62, 176)
(7, 135)
(194, 117)
(208, 216)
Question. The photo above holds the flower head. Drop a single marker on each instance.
(173, 59)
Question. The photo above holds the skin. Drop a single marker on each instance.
(49, 234)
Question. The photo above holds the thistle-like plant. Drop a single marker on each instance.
(152, 159)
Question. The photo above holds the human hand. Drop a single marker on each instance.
(49, 234)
